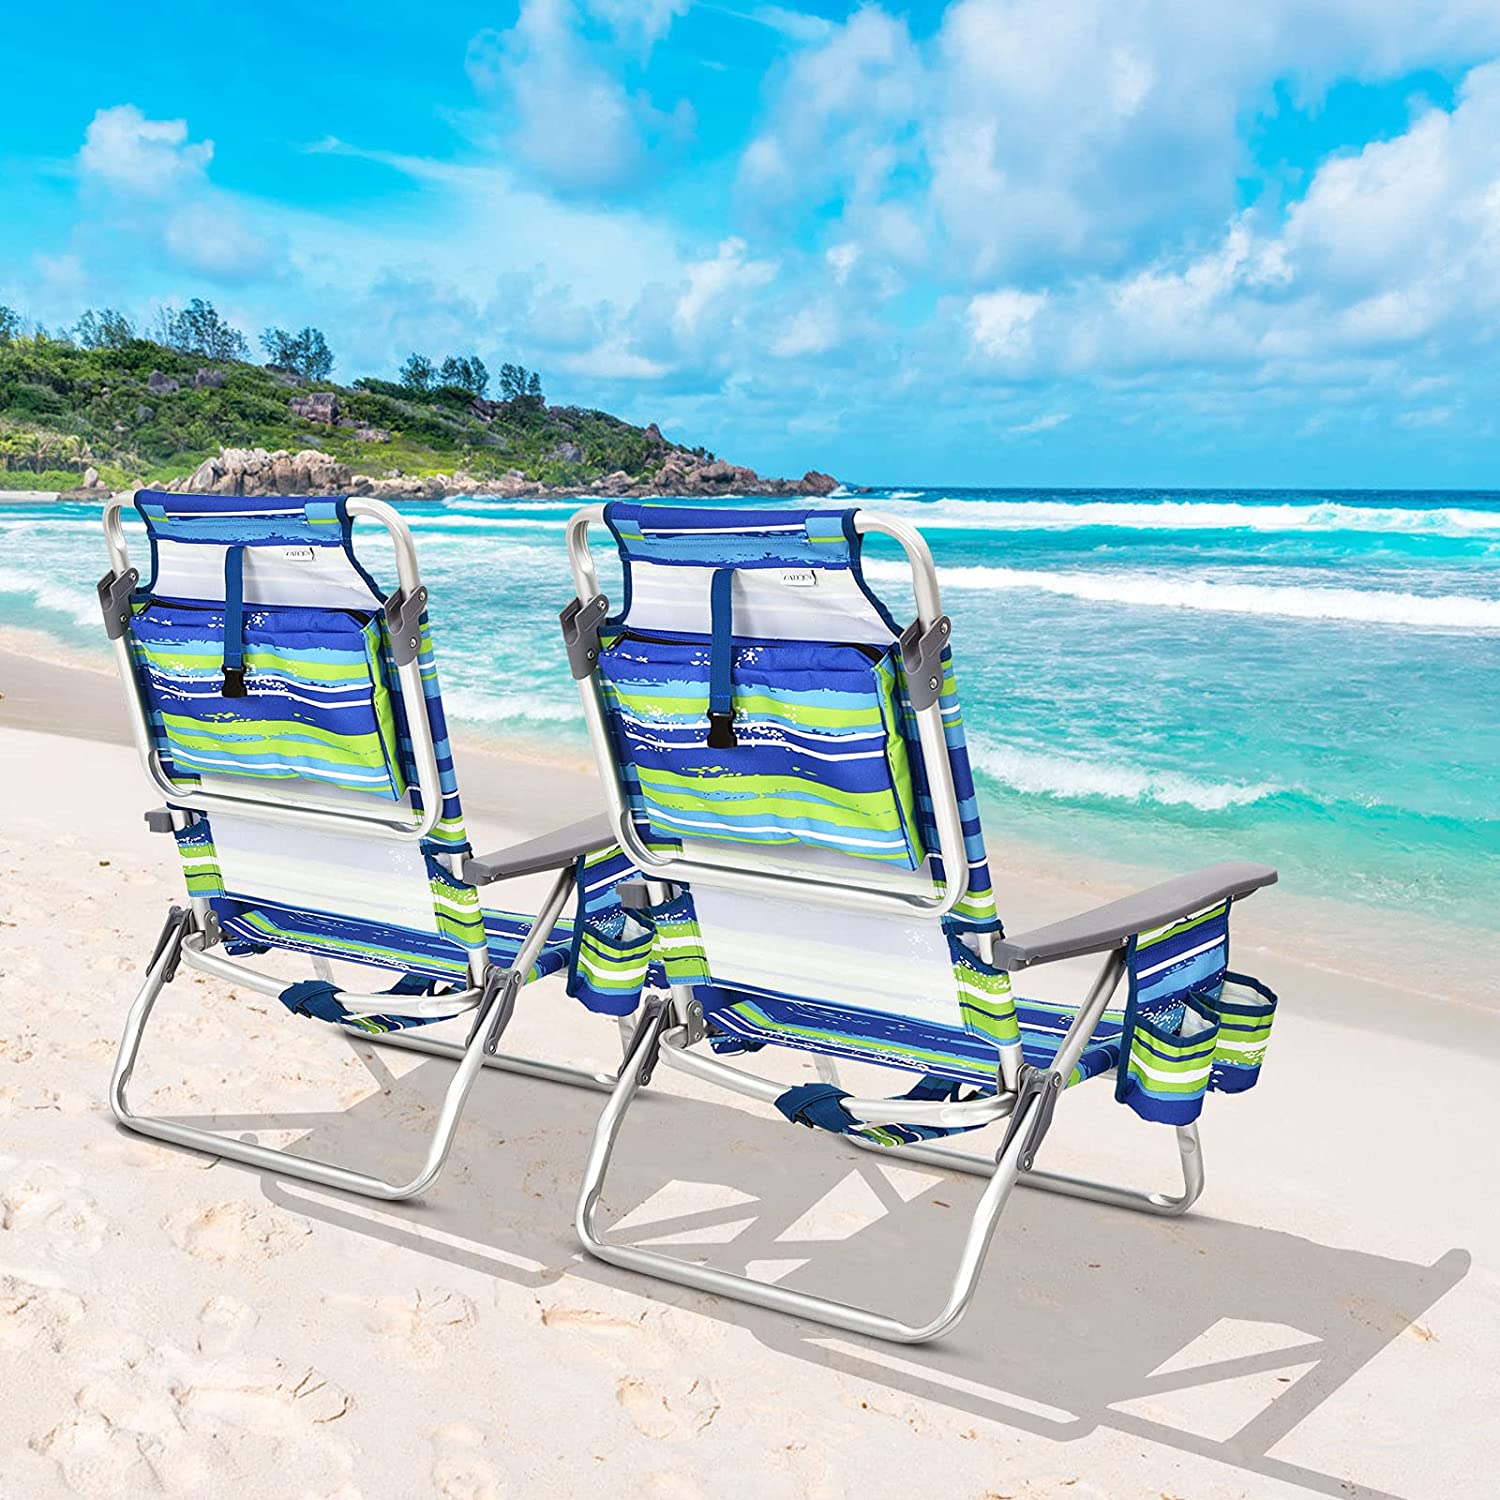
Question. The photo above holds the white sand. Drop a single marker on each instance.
(1327, 1321)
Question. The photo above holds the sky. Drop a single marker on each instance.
(990, 242)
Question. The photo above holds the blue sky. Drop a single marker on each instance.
(1081, 242)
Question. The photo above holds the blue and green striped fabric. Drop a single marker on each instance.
(318, 705)
(1170, 1030)
(820, 757)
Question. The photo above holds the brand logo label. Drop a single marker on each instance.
(802, 579)
(297, 554)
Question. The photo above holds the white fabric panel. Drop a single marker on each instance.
(773, 603)
(302, 577)
(863, 960)
(349, 874)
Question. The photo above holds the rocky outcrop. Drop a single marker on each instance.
(209, 380)
(371, 435)
(567, 453)
(254, 471)
(161, 385)
(318, 406)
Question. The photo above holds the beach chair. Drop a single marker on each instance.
(287, 710)
(786, 766)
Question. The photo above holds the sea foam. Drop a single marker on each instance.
(1176, 591)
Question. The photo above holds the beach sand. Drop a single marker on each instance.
(1324, 1322)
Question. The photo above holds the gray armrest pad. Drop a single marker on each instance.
(1108, 926)
(549, 852)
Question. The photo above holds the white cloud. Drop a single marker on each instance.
(124, 150)
(645, 22)
(562, 108)
(1000, 322)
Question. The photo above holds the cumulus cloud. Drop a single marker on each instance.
(153, 184)
(124, 150)
(562, 107)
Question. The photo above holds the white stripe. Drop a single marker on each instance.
(1180, 958)
(193, 757)
(661, 815)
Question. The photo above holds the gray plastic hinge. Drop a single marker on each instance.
(1044, 1085)
(160, 820)
(580, 630)
(115, 590)
(497, 1004)
(642, 895)
(922, 656)
(403, 622)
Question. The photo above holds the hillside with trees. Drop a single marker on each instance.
(146, 406)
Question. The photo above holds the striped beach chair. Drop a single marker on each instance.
(785, 765)
(287, 710)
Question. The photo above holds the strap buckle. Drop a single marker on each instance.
(234, 683)
(721, 734)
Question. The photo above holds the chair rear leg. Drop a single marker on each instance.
(1002, 1179)
(160, 973)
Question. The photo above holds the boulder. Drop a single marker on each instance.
(316, 406)
(209, 380)
(144, 413)
(567, 453)
(90, 477)
(254, 471)
(482, 409)
(161, 385)
(816, 483)
(371, 435)
(654, 437)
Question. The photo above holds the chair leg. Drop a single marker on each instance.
(778, 1298)
(158, 975)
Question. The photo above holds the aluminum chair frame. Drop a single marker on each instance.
(191, 933)
(667, 1032)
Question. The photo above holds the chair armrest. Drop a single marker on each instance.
(1110, 925)
(551, 851)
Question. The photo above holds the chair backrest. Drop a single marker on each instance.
(302, 737)
(755, 712)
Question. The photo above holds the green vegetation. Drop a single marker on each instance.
(142, 410)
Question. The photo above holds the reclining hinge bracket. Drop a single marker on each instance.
(580, 631)
(1043, 1085)
(403, 623)
(651, 1009)
(174, 929)
(115, 590)
(508, 983)
(922, 656)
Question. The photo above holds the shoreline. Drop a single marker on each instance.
(52, 688)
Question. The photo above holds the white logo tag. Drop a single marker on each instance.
(804, 579)
(297, 554)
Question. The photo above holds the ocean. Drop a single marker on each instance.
(1154, 678)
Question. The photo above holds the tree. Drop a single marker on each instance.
(105, 329)
(306, 353)
(467, 373)
(198, 329)
(417, 373)
(10, 325)
(519, 384)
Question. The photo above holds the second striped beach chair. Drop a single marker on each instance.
(785, 764)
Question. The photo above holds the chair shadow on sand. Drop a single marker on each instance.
(1214, 1338)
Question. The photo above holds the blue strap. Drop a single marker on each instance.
(234, 623)
(721, 660)
(314, 997)
(818, 1104)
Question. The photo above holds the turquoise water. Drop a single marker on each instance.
(1159, 678)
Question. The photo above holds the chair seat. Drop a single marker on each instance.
(387, 947)
(900, 1042)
